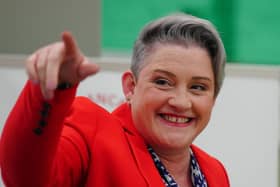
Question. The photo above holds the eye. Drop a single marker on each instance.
(162, 82)
(198, 87)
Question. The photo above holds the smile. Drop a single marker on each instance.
(175, 119)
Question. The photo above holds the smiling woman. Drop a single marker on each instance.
(175, 88)
(176, 73)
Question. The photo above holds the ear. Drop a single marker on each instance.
(128, 84)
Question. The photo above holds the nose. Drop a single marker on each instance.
(180, 100)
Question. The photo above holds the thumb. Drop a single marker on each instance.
(86, 69)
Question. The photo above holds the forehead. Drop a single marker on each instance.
(177, 57)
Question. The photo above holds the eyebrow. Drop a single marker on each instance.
(164, 72)
(173, 75)
(202, 78)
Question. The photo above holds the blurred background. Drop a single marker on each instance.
(250, 29)
(244, 132)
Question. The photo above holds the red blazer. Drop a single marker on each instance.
(74, 142)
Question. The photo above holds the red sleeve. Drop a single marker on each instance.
(30, 139)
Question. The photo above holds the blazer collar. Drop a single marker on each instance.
(123, 113)
(138, 147)
(212, 169)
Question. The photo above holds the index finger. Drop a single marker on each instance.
(72, 50)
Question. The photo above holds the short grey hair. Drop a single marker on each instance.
(185, 30)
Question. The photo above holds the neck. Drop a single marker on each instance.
(178, 165)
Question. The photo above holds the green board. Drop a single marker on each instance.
(250, 30)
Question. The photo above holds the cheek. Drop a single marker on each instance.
(149, 97)
(205, 106)
(146, 104)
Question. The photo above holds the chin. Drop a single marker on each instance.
(177, 144)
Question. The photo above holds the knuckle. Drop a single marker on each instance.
(40, 64)
(29, 68)
(53, 58)
(30, 60)
(55, 53)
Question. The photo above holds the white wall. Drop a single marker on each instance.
(243, 132)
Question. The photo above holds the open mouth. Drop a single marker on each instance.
(175, 119)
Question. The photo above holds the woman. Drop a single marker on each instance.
(52, 138)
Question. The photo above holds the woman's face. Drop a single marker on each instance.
(173, 97)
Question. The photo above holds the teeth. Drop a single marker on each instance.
(176, 119)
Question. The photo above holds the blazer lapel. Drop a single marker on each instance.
(211, 168)
(144, 161)
(138, 148)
